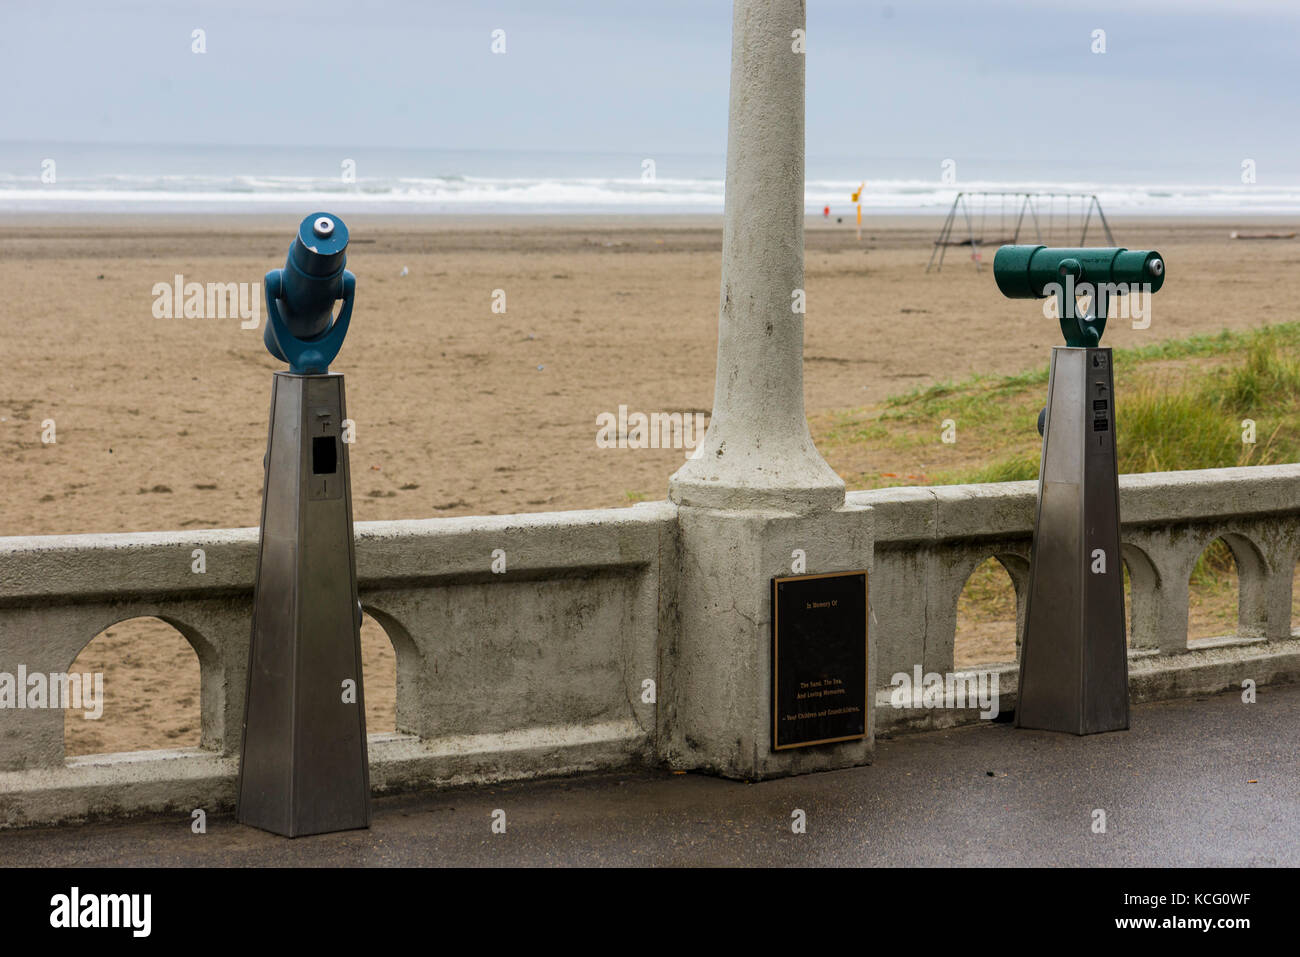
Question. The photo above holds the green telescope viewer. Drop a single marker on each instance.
(1035, 272)
(1073, 649)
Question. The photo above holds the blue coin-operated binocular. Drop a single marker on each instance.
(301, 328)
(303, 764)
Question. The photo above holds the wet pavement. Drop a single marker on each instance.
(1201, 781)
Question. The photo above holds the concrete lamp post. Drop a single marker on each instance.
(757, 501)
(758, 452)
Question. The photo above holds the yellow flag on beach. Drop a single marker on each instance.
(855, 196)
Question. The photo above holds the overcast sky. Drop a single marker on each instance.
(995, 78)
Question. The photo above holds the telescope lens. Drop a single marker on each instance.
(1157, 267)
(324, 226)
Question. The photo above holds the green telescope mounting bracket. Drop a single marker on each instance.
(1035, 272)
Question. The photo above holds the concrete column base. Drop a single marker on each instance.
(716, 664)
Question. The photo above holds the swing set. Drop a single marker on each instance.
(1039, 207)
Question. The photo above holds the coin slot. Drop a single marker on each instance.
(324, 455)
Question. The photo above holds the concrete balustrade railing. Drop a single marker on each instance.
(553, 662)
(536, 667)
(928, 541)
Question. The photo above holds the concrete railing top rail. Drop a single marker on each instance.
(953, 512)
(141, 564)
(555, 544)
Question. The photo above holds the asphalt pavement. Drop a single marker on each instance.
(1200, 781)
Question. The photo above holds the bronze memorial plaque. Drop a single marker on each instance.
(819, 659)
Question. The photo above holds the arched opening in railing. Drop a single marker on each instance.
(1213, 591)
(143, 681)
(986, 616)
(379, 668)
(392, 665)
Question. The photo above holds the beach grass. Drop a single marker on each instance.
(1181, 404)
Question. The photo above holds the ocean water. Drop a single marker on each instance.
(69, 177)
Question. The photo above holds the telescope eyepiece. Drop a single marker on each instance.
(320, 248)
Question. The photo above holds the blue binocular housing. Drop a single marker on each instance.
(301, 328)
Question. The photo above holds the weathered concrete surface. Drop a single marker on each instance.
(179, 780)
(1175, 790)
(593, 604)
(535, 667)
(118, 785)
(716, 665)
(757, 488)
(1210, 666)
(758, 453)
(929, 540)
(417, 551)
(543, 669)
(948, 512)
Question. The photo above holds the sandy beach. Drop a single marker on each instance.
(160, 423)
